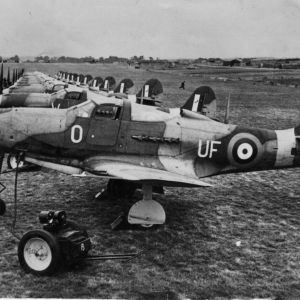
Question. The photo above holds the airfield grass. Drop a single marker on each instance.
(240, 238)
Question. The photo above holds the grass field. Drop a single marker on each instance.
(240, 238)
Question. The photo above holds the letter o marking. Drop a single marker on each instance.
(76, 134)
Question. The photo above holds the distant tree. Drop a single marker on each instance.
(61, 59)
(151, 58)
(15, 58)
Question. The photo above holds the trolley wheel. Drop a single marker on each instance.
(12, 161)
(2, 207)
(39, 252)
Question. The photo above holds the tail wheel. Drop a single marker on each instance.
(39, 252)
(12, 161)
(2, 207)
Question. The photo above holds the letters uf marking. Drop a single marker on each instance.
(209, 149)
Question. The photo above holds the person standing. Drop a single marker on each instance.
(182, 85)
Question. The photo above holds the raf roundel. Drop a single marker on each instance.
(244, 150)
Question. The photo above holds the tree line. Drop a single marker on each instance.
(89, 59)
(14, 59)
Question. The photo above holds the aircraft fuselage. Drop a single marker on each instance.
(188, 144)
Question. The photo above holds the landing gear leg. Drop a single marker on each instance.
(2, 207)
(117, 188)
(146, 212)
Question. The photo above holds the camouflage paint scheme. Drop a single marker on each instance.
(116, 138)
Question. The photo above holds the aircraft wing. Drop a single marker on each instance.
(126, 171)
(122, 170)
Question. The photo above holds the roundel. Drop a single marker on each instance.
(244, 150)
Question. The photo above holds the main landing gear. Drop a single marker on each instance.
(14, 161)
(2, 207)
(146, 212)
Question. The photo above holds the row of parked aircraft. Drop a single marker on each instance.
(100, 132)
(105, 134)
(85, 131)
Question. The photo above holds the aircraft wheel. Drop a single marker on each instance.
(2, 207)
(146, 226)
(121, 188)
(39, 252)
(12, 161)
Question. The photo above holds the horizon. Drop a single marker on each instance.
(29, 57)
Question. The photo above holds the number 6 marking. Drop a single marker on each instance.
(79, 134)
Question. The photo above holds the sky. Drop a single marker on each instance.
(156, 28)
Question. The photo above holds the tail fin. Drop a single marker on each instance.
(108, 84)
(87, 79)
(1, 78)
(124, 86)
(75, 77)
(203, 101)
(297, 149)
(96, 82)
(8, 77)
(151, 89)
(80, 79)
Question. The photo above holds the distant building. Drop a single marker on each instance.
(232, 63)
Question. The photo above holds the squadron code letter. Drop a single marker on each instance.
(209, 149)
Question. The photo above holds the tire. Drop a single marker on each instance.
(2, 207)
(29, 246)
(12, 161)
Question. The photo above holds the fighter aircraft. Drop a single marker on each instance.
(132, 144)
(34, 83)
(63, 96)
(5, 83)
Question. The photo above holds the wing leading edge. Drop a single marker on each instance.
(126, 171)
